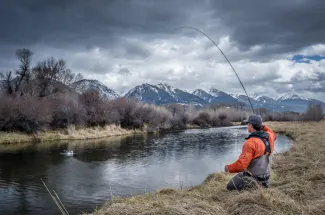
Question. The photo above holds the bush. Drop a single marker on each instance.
(203, 119)
(24, 114)
(66, 113)
(314, 112)
(283, 116)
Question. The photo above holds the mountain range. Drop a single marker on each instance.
(165, 94)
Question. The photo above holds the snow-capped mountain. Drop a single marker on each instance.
(216, 97)
(163, 94)
(267, 103)
(148, 93)
(167, 94)
(255, 99)
(243, 98)
(217, 93)
(169, 89)
(204, 95)
(286, 102)
(260, 101)
(290, 96)
(265, 99)
(222, 97)
(85, 85)
(182, 96)
(294, 102)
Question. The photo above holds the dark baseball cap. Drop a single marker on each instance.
(254, 120)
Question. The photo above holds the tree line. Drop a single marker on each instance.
(41, 80)
(40, 97)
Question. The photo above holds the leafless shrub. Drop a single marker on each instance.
(7, 86)
(97, 111)
(21, 114)
(157, 117)
(67, 112)
(203, 119)
(283, 116)
(314, 112)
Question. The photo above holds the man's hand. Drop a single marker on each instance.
(226, 168)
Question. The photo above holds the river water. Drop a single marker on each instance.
(118, 166)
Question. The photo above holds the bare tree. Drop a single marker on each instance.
(67, 77)
(24, 71)
(50, 71)
(6, 83)
(79, 77)
(314, 112)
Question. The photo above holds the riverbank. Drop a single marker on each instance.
(297, 186)
(70, 133)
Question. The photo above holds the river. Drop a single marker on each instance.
(117, 166)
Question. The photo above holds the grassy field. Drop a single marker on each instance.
(68, 134)
(297, 185)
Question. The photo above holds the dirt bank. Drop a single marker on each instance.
(68, 134)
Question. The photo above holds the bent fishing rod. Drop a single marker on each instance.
(225, 57)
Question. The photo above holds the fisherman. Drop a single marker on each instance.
(253, 165)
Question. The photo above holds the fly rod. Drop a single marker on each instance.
(226, 59)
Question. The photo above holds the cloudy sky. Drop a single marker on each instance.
(275, 46)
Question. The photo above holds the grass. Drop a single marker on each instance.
(68, 134)
(71, 133)
(297, 185)
(236, 123)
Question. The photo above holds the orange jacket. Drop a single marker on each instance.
(252, 148)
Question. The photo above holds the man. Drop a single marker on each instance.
(253, 164)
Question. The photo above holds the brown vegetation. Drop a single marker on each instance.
(297, 185)
(70, 133)
(314, 112)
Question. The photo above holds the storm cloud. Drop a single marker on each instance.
(128, 42)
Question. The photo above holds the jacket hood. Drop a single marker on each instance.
(260, 134)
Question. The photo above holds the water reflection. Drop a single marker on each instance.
(114, 166)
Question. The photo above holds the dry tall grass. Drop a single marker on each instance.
(297, 186)
(71, 133)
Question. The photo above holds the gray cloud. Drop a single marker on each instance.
(314, 82)
(278, 26)
(94, 37)
(124, 71)
(98, 22)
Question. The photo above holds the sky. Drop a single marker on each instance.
(276, 47)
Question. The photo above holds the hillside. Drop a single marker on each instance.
(85, 85)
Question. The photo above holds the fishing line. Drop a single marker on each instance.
(226, 59)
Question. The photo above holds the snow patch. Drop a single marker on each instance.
(290, 96)
(85, 85)
(166, 87)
